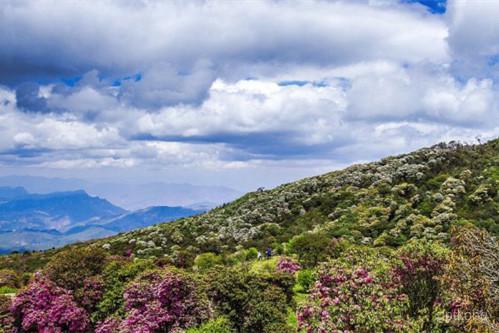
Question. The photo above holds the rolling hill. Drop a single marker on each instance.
(416, 195)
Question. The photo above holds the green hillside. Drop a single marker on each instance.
(416, 195)
(405, 244)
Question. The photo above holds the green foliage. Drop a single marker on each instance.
(207, 260)
(116, 275)
(266, 312)
(218, 325)
(251, 253)
(252, 302)
(306, 279)
(310, 247)
(71, 267)
(7, 290)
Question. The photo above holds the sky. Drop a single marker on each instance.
(239, 93)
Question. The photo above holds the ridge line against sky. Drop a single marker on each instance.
(240, 94)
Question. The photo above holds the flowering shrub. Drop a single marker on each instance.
(110, 325)
(287, 265)
(160, 302)
(471, 292)
(46, 308)
(353, 298)
(116, 275)
(417, 276)
(93, 289)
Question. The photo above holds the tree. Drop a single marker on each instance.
(288, 265)
(417, 275)
(116, 275)
(311, 247)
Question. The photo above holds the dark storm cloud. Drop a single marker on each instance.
(28, 98)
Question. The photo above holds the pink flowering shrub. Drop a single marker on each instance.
(350, 297)
(160, 302)
(417, 275)
(46, 308)
(110, 325)
(287, 265)
(93, 290)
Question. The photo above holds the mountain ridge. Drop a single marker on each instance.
(40, 221)
(382, 203)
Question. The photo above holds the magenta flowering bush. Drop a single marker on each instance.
(287, 265)
(110, 325)
(160, 302)
(93, 290)
(417, 275)
(46, 308)
(352, 299)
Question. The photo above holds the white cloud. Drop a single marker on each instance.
(245, 86)
(120, 37)
(474, 37)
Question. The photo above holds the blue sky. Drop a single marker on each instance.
(239, 93)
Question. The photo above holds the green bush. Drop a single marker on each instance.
(71, 267)
(306, 279)
(218, 325)
(310, 247)
(116, 276)
(251, 253)
(252, 302)
(207, 260)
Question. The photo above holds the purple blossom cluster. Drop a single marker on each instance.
(46, 308)
(159, 303)
(346, 299)
(287, 265)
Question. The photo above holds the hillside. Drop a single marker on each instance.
(416, 195)
(405, 244)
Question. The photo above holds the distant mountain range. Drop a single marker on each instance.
(40, 221)
(131, 196)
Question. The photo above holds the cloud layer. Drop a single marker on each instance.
(150, 84)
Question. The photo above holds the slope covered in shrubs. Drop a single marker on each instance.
(406, 244)
(417, 195)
